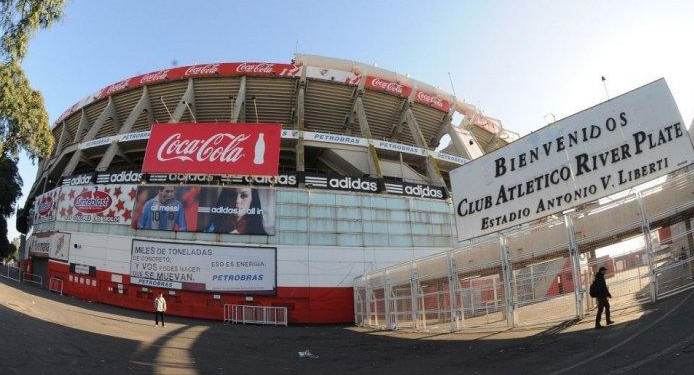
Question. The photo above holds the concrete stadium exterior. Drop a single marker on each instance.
(361, 186)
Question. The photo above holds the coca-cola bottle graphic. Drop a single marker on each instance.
(259, 150)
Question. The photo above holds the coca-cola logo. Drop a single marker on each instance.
(255, 68)
(223, 147)
(45, 205)
(154, 77)
(202, 70)
(89, 202)
(392, 87)
(122, 85)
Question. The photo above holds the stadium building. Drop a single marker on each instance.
(363, 183)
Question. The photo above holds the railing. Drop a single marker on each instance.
(32, 278)
(267, 315)
(11, 272)
(55, 285)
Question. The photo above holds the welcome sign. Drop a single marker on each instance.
(624, 142)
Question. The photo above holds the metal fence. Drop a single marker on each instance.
(540, 272)
(55, 285)
(267, 315)
(10, 272)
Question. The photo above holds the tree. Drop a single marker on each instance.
(23, 117)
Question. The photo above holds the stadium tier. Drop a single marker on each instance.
(363, 183)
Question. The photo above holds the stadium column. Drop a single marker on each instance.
(143, 105)
(62, 139)
(575, 265)
(443, 129)
(186, 102)
(433, 172)
(366, 133)
(108, 113)
(299, 125)
(239, 109)
(494, 139)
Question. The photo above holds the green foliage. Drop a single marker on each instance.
(10, 186)
(22, 219)
(4, 243)
(20, 19)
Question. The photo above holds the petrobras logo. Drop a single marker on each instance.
(349, 183)
(45, 205)
(197, 70)
(83, 179)
(255, 68)
(424, 191)
(91, 202)
(125, 176)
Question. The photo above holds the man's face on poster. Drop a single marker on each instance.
(166, 194)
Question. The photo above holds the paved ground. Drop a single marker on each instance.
(44, 333)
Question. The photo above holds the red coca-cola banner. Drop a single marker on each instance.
(204, 70)
(214, 148)
(390, 87)
(432, 101)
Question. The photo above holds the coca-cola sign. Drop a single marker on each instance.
(432, 101)
(255, 68)
(114, 88)
(91, 202)
(384, 85)
(213, 148)
(202, 70)
(154, 77)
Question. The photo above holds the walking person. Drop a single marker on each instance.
(159, 309)
(601, 294)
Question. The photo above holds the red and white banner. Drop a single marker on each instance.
(108, 204)
(204, 70)
(44, 206)
(389, 87)
(432, 101)
(214, 148)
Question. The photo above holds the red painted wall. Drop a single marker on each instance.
(304, 305)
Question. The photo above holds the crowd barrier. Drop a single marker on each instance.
(266, 315)
(540, 272)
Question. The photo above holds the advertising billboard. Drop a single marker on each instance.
(45, 206)
(108, 204)
(212, 209)
(213, 148)
(610, 147)
(203, 267)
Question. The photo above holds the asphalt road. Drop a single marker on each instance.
(43, 333)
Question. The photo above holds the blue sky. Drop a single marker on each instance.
(516, 60)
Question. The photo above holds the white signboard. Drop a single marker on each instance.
(399, 147)
(217, 268)
(335, 138)
(60, 247)
(616, 145)
(39, 246)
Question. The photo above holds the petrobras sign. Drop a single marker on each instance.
(613, 146)
(398, 147)
(335, 138)
(123, 177)
(137, 136)
(449, 158)
(196, 266)
(213, 148)
(78, 179)
(415, 190)
(360, 184)
(97, 142)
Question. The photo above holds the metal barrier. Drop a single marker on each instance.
(32, 278)
(540, 272)
(55, 285)
(11, 273)
(268, 315)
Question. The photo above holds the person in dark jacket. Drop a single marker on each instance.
(602, 294)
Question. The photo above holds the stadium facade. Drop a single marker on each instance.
(361, 185)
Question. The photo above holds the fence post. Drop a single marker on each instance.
(507, 271)
(575, 266)
(452, 289)
(367, 300)
(414, 287)
(390, 324)
(646, 228)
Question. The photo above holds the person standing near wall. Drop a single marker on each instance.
(159, 309)
(601, 294)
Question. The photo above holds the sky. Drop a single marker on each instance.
(522, 62)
